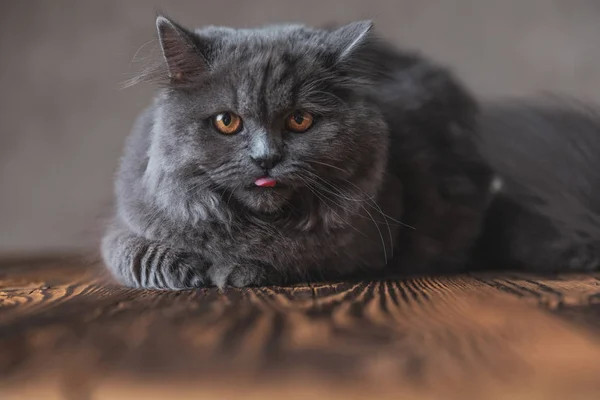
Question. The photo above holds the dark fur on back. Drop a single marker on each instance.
(547, 214)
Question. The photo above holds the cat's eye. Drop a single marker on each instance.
(227, 123)
(299, 121)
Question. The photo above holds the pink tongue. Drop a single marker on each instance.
(265, 182)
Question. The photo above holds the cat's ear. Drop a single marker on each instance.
(181, 50)
(350, 37)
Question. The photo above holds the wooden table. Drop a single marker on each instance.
(67, 333)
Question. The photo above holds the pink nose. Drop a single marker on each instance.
(265, 182)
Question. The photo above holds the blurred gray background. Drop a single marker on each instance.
(63, 116)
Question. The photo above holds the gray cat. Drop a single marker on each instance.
(290, 153)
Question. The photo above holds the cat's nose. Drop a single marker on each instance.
(266, 149)
(266, 161)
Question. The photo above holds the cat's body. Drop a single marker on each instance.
(389, 175)
(228, 236)
(344, 188)
(546, 217)
(433, 152)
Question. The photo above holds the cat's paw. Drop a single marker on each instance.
(180, 272)
(238, 275)
(247, 275)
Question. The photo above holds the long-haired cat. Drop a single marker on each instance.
(288, 153)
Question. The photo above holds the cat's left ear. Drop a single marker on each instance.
(181, 49)
(351, 37)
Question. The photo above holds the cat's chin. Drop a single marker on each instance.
(265, 200)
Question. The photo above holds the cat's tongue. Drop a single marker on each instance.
(265, 182)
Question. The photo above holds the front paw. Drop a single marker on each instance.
(242, 274)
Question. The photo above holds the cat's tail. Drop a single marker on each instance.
(546, 214)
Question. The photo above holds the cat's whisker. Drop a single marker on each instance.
(323, 200)
(134, 58)
(361, 190)
(328, 165)
(384, 247)
(223, 168)
(349, 211)
(375, 206)
(381, 236)
(361, 201)
(375, 203)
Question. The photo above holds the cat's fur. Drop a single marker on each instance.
(392, 173)
(546, 216)
(393, 140)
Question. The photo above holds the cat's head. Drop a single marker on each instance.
(260, 115)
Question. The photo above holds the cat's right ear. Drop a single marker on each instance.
(181, 50)
(350, 37)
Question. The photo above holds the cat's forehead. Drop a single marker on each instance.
(266, 83)
(272, 32)
(231, 43)
(266, 67)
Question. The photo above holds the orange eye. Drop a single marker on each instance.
(299, 122)
(227, 123)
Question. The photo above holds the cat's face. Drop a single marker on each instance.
(266, 113)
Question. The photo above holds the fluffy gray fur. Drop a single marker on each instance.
(393, 139)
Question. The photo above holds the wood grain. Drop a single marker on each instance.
(66, 332)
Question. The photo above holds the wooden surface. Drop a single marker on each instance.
(67, 333)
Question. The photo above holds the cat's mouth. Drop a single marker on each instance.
(268, 186)
(266, 182)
